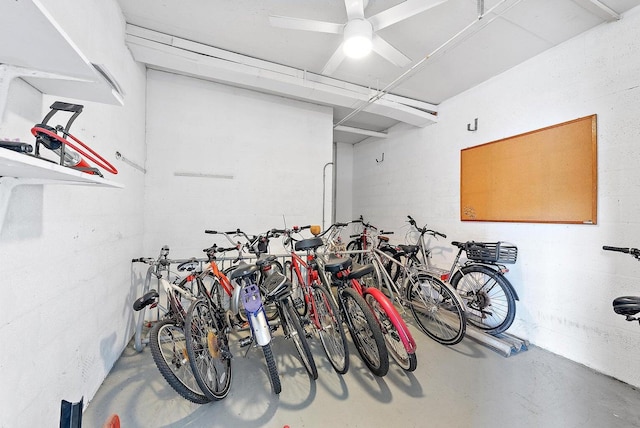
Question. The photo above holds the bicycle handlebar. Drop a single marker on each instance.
(424, 229)
(633, 251)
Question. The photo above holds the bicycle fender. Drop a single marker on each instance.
(395, 318)
(235, 299)
(513, 290)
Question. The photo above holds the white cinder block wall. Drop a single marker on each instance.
(565, 281)
(65, 250)
(268, 151)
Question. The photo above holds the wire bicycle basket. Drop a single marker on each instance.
(492, 252)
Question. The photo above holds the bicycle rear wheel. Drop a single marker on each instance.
(365, 332)
(168, 348)
(294, 331)
(208, 349)
(490, 303)
(331, 333)
(436, 308)
(396, 348)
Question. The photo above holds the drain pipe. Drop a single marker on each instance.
(324, 186)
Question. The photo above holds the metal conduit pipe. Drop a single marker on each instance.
(416, 66)
(324, 185)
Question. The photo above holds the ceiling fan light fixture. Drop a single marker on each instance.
(358, 35)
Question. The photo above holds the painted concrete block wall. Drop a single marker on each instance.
(565, 281)
(65, 250)
(344, 182)
(261, 157)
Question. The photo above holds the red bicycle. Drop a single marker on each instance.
(312, 300)
(396, 334)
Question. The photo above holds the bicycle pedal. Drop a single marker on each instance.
(245, 341)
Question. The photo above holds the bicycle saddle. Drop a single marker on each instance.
(243, 269)
(309, 244)
(189, 266)
(337, 264)
(409, 249)
(263, 261)
(360, 271)
(626, 305)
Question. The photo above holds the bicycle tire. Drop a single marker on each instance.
(490, 303)
(365, 332)
(436, 308)
(208, 350)
(407, 361)
(332, 336)
(168, 348)
(392, 269)
(355, 245)
(294, 331)
(272, 369)
(297, 291)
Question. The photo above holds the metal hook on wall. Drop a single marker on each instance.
(378, 161)
(475, 125)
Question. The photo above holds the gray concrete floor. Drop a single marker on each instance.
(466, 385)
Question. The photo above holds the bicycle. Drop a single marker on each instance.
(626, 305)
(362, 323)
(312, 300)
(436, 307)
(365, 240)
(166, 338)
(489, 297)
(398, 338)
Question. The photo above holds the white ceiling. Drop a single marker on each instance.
(463, 50)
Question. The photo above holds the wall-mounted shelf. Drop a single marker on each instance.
(42, 54)
(32, 170)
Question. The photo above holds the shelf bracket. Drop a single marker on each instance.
(6, 189)
(10, 72)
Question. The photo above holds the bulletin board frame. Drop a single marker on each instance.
(544, 176)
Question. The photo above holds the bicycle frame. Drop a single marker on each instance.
(406, 272)
(297, 265)
(156, 269)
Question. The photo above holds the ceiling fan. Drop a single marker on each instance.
(359, 33)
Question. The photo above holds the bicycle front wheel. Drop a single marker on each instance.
(272, 369)
(365, 332)
(294, 331)
(354, 246)
(297, 292)
(169, 351)
(436, 309)
(396, 348)
(329, 325)
(490, 303)
(208, 350)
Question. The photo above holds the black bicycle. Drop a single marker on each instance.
(626, 305)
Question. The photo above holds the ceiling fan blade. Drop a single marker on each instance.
(388, 52)
(401, 12)
(334, 62)
(355, 9)
(305, 24)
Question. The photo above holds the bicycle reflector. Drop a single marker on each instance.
(315, 230)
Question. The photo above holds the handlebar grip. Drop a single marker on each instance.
(441, 234)
(212, 232)
(354, 236)
(618, 249)
(384, 232)
(341, 224)
(138, 260)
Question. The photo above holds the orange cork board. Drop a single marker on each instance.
(544, 176)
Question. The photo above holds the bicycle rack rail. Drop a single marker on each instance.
(503, 343)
